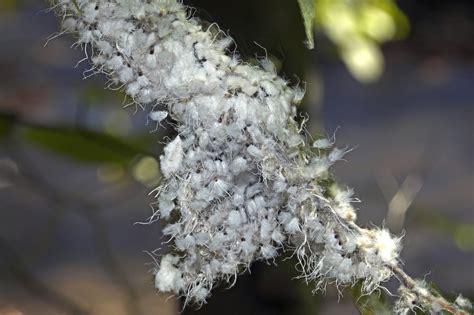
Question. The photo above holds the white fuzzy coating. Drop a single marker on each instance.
(386, 246)
(463, 302)
(168, 277)
(173, 158)
(241, 180)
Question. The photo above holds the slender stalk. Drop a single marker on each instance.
(425, 294)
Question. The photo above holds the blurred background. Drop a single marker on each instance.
(392, 79)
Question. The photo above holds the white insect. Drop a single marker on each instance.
(158, 115)
(173, 157)
(322, 143)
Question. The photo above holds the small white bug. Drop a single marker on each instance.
(268, 251)
(126, 75)
(293, 226)
(220, 187)
(255, 152)
(298, 95)
(322, 144)
(172, 159)
(337, 154)
(234, 219)
(277, 236)
(158, 115)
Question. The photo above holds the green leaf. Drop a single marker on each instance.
(402, 24)
(369, 304)
(307, 12)
(358, 29)
(82, 145)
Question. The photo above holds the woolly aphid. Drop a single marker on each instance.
(240, 181)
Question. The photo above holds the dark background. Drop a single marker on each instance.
(75, 168)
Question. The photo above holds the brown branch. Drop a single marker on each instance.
(424, 293)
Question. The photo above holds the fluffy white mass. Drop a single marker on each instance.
(173, 158)
(241, 180)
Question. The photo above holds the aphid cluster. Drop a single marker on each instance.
(240, 181)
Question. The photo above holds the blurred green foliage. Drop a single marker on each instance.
(82, 145)
(113, 153)
(8, 5)
(461, 233)
(369, 304)
(357, 28)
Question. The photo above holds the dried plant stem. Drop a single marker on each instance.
(425, 294)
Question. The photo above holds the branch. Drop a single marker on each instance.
(424, 297)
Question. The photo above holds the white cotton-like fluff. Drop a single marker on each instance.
(238, 165)
(235, 219)
(293, 226)
(387, 247)
(173, 157)
(241, 181)
(168, 277)
(463, 302)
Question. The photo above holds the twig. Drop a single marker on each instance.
(423, 293)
